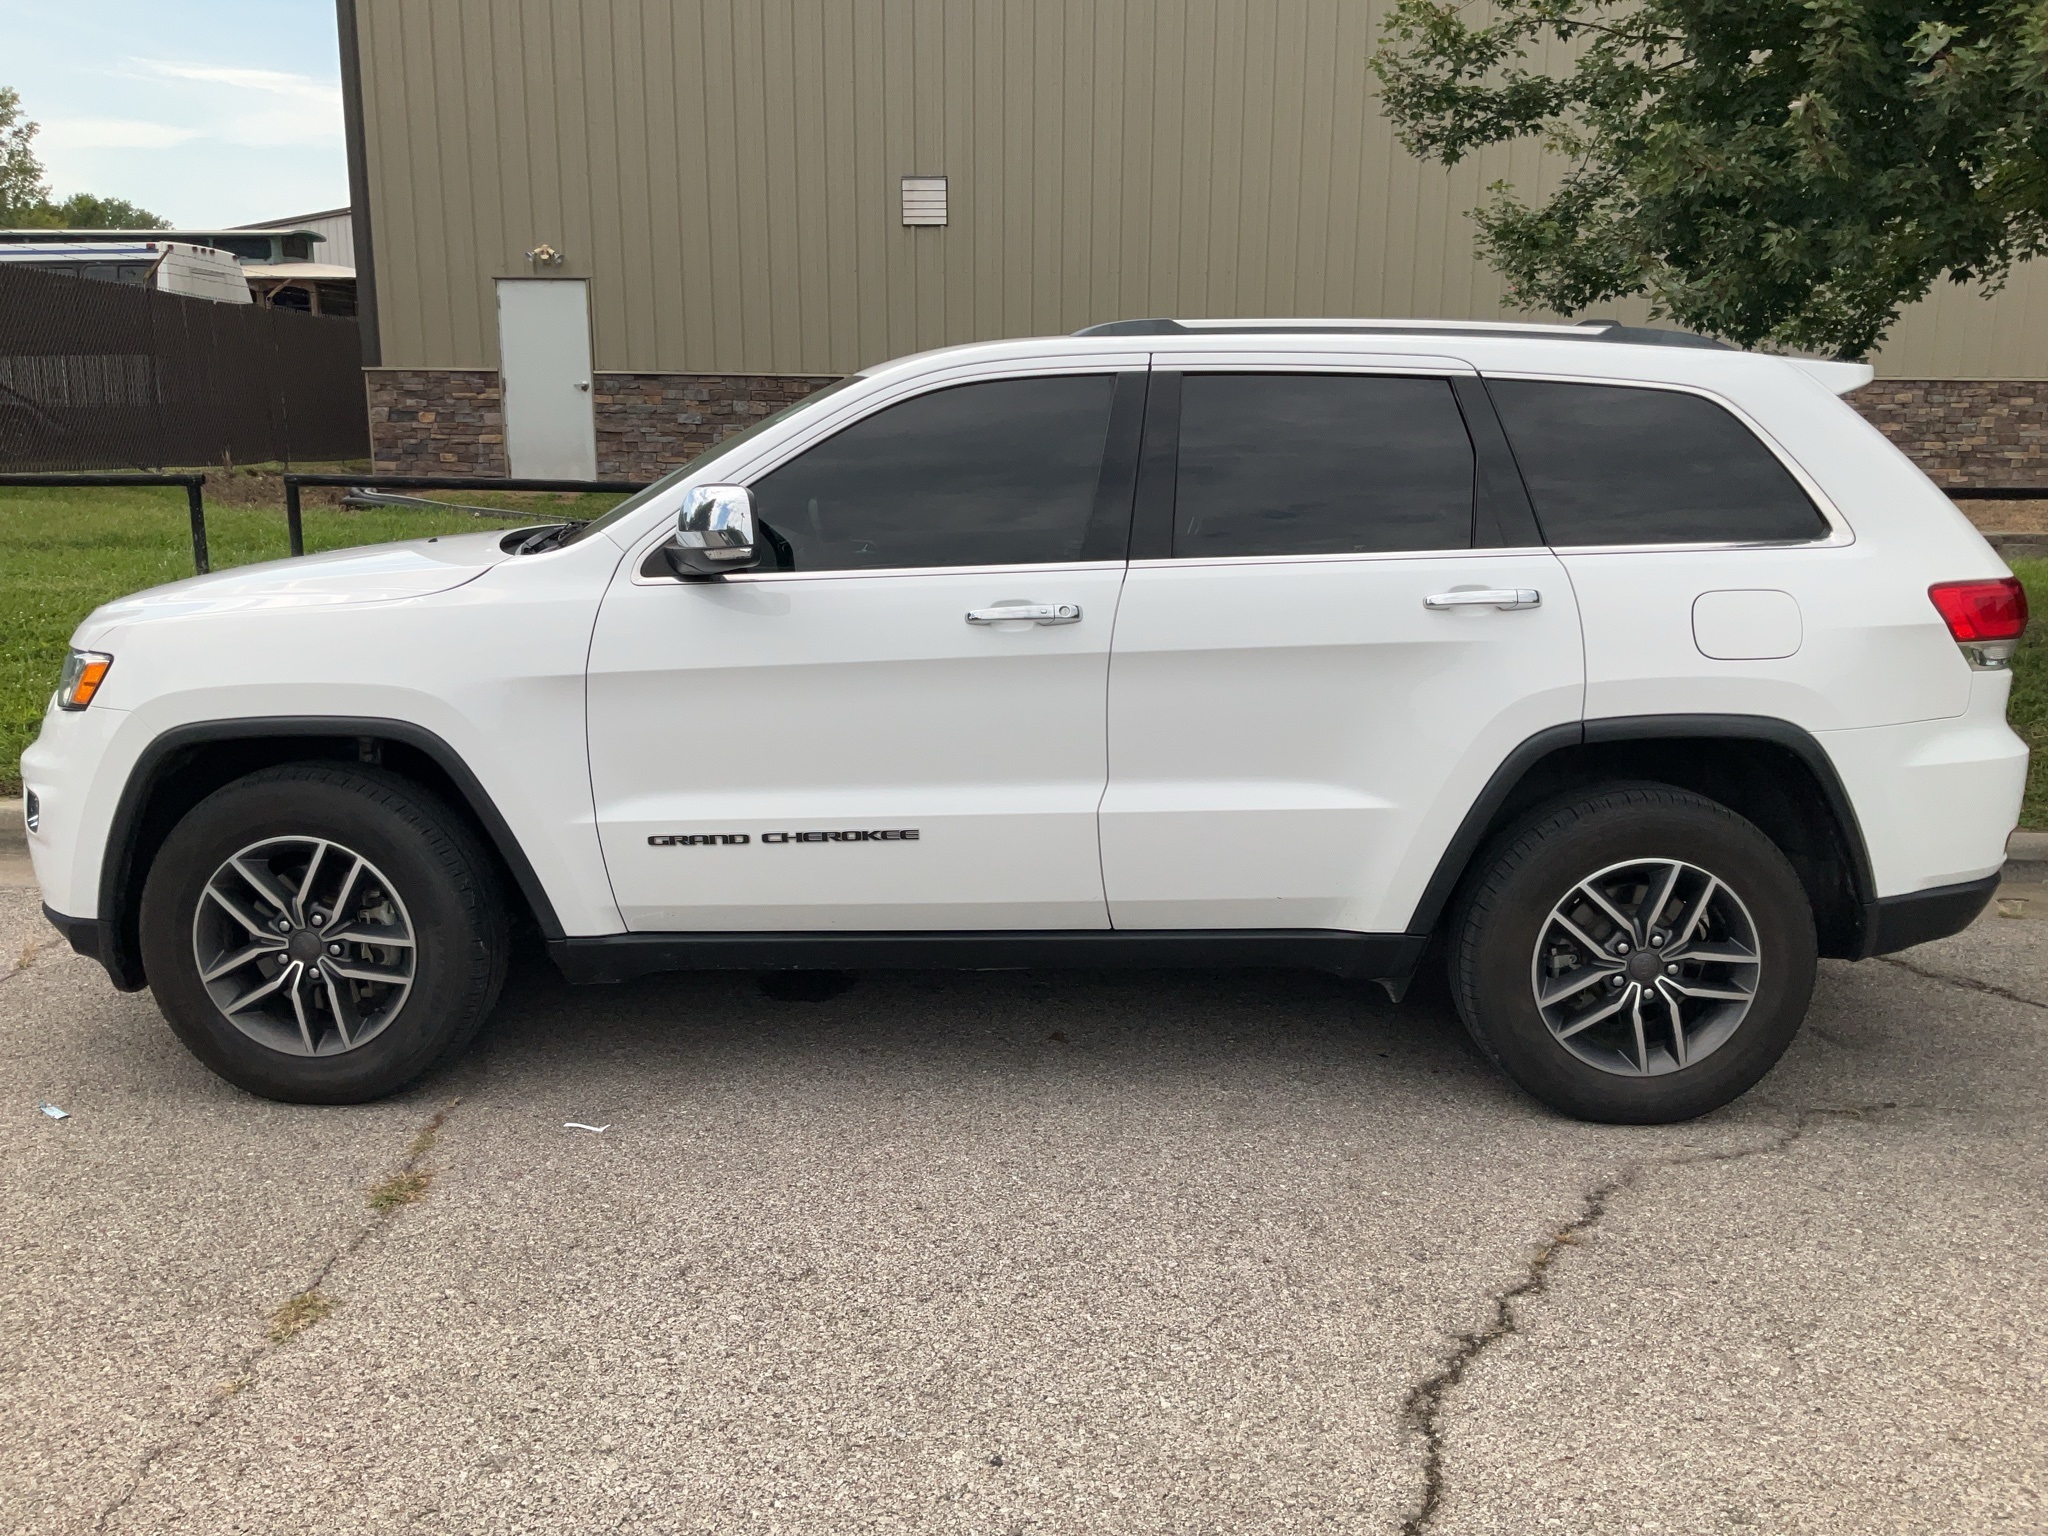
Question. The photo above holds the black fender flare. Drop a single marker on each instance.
(1450, 869)
(113, 942)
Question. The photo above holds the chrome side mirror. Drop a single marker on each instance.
(714, 532)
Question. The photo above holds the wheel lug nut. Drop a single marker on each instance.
(1614, 981)
(335, 949)
(1657, 940)
(1621, 949)
(1671, 969)
(283, 926)
(318, 919)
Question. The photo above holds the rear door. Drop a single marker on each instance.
(1338, 621)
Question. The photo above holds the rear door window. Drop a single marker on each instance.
(1612, 464)
(1320, 464)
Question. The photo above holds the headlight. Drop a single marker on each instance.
(84, 671)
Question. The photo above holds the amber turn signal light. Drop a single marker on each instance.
(84, 671)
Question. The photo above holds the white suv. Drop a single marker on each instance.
(1625, 672)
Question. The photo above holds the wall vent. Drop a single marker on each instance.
(924, 200)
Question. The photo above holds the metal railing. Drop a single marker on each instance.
(293, 513)
(195, 500)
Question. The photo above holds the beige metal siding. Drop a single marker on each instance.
(728, 175)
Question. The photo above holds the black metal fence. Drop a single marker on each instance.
(100, 375)
(294, 516)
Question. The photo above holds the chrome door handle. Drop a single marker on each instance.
(1033, 613)
(1487, 597)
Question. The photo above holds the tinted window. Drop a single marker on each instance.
(1002, 473)
(1611, 465)
(1317, 464)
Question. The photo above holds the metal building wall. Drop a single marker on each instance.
(727, 172)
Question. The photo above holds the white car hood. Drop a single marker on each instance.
(377, 573)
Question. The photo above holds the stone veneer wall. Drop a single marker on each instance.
(451, 421)
(648, 423)
(436, 421)
(1965, 432)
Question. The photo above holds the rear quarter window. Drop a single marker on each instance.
(1613, 464)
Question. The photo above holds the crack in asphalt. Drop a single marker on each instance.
(31, 952)
(1423, 1408)
(255, 1354)
(1967, 983)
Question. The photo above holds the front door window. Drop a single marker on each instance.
(1001, 473)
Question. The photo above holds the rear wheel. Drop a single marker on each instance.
(1637, 954)
(323, 935)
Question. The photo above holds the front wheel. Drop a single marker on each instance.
(1637, 955)
(322, 935)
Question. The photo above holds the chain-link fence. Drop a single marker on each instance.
(100, 375)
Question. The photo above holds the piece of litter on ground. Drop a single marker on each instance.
(54, 1112)
(578, 1125)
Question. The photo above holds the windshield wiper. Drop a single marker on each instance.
(548, 537)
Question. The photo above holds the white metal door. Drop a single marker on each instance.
(1308, 696)
(544, 362)
(749, 739)
(1292, 744)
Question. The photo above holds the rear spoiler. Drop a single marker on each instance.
(1839, 377)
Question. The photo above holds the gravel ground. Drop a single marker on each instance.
(1026, 1253)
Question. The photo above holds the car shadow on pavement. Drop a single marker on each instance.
(1252, 1025)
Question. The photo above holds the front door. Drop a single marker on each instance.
(853, 737)
(544, 368)
(1316, 671)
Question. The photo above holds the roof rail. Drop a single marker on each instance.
(1584, 330)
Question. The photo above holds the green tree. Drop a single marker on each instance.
(22, 187)
(81, 210)
(25, 193)
(1791, 172)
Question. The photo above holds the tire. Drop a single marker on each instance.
(284, 846)
(1713, 1023)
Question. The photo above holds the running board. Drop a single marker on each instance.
(1388, 958)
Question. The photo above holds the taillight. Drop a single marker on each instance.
(1987, 618)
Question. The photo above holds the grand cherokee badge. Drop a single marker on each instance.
(732, 839)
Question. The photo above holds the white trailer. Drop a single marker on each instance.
(172, 266)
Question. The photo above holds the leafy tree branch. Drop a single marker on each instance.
(1791, 172)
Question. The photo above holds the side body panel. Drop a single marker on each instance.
(1294, 742)
(493, 667)
(1936, 798)
(782, 708)
(1869, 649)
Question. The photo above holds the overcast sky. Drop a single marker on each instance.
(209, 114)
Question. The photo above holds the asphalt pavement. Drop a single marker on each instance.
(1027, 1252)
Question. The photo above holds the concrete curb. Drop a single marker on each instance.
(13, 835)
(2026, 858)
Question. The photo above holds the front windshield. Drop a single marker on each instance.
(641, 497)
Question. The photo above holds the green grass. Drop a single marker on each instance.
(2028, 711)
(64, 552)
